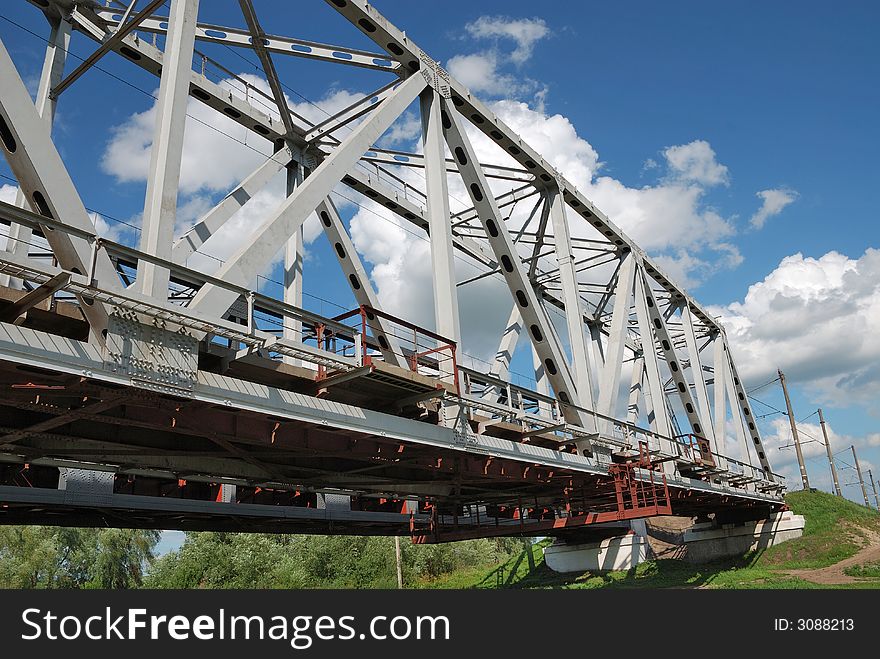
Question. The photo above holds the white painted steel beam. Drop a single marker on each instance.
(701, 392)
(250, 259)
(530, 306)
(610, 375)
(42, 176)
(440, 227)
(574, 314)
(660, 422)
(19, 238)
(160, 207)
(358, 280)
(210, 222)
(275, 44)
(673, 361)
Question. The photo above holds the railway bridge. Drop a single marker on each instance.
(140, 387)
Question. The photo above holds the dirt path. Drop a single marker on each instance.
(833, 574)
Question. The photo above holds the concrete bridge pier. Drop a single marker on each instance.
(624, 545)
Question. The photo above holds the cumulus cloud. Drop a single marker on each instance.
(481, 71)
(525, 32)
(816, 318)
(780, 449)
(772, 203)
(694, 239)
(695, 162)
(218, 154)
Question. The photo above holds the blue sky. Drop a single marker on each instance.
(775, 96)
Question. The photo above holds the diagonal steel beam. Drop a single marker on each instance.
(41, 174)
(702, 393)
(661, 423)
(113, 41)
(358, 279)
(34, 297)
(215, 218)
(534, 316)
(660, 329)
(741, 400)
(60, 420)
(440, 226)
(243, 266)
(610, 374)
(258, 38)
(275, 44)
(574, 314)
(19, 238)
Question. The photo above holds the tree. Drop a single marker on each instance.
(60, 557)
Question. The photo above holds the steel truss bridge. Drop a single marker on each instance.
(138, 390)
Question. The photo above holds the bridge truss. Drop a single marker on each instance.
(137, 389)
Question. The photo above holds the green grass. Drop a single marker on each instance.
(868, 570)
(834, 531)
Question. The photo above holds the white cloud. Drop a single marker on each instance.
(406, 129)
(816, 318)
(772, 203)
(693, 241)
(524, 31)
(695, 163)
(480, 73)
(218, 154)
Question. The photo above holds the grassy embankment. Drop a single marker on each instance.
(836, 529)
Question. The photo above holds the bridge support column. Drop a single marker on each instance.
(618, 552)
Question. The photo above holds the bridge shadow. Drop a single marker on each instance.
(659, 573)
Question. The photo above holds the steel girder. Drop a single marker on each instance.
(549, 272)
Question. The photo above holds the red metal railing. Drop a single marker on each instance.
(422, 350)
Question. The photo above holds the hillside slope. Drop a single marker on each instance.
(836, 530)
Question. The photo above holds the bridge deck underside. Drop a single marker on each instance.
(154, 441)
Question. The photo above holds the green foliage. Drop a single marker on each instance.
(865, 571)
(56, 557)
(229, 560)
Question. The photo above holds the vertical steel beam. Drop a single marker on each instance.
(701, 392)
(530, 307)
(719, 368)
(610, 377)
(635, 389)
(667, 347)
(741, 399)
(293, 266)
(735, 414)
(660, 421)
(500, 367)
(53, 68)
(160, 207)
(574, 314)
(259, 248)
(215, 218)
(358, 279)
(439, 224)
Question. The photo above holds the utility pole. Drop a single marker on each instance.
(830, 456)
(874, 487)
(794, 432)
(397, 558)
(859, 472)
